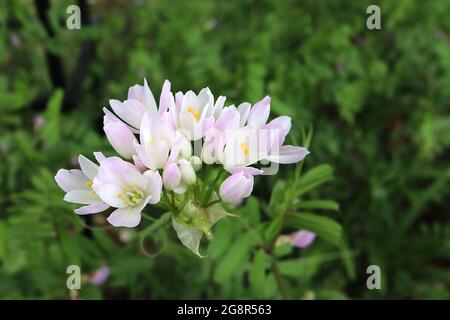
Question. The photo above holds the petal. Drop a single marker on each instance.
(88, 167)
(69, 180)
(110, 194)
(302, 238)
(109, 117)
(125, 217)
(218, 106)
(244, 111)
(154, 186)
(289, 154)
(259, 113)
(166, 99)
(149, 99)
(156, 154)
(82, 197)
(99, 156)
(247, 171)
(120, 138)
(92, 208)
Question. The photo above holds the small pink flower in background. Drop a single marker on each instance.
(100, 276)
(38, 122)
(302, 238)
(15, 40)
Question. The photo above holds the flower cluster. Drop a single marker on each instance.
(171, 150)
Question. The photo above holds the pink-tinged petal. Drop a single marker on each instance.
(109, 117)
(88, 167)
(112, 195)
(132, 112)
(285, 122)
(138, 163)
(113, 170)
(121, 139)
(247, 171)
(100, 276)
(82, 197)
(259, 113)
(187, 172)
(175, 149)
(244, 112)
(92, 208)
(142, 155)
(69, 180)
(166, 99)
(228, 120)
(179, 100)
(218, 106)
(149, 99)
(302, 238)
(99, 156)
(289, 154)
(154, 188)
(171, 176)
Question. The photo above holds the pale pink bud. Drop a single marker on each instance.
(171, 176)
(121, 138)
(187, 172)
(236, 187)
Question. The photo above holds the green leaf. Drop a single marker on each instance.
(324, 227)
(51, 131)
(274, 228)
(261, 284)
(235, 259)
(313, 178)
(318, 204)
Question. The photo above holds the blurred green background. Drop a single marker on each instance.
(379, 102)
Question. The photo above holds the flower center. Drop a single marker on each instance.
(131, 195)
(89, 184)
(244, 148)
(196, 114)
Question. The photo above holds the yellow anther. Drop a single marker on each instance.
(196, 114)
(120, 195)
(244, 148)
(132, 186)
(134, 199)
(93, 192)
(89, 183)
(127, 202)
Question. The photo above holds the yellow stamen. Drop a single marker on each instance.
(244, 148)
(132, 186)
(120, 195)
(196, 114)
(134, 199)
(89, 183)
(127, 202)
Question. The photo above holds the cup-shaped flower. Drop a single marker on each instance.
(156, 139)
(195, 114)
(78, 185)
(171, 176)
(121, 185)
(120, 137)
(236, 187)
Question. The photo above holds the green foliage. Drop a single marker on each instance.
(378, 100)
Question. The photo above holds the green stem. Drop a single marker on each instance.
(210, 190)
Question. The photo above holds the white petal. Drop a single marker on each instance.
(125, 217)
(69, 180)
(156, 154)
(88, 167)
(92, 208)
(110, 194)
(244, 111)
(259, 113)
(289, 154)
(82, 197)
